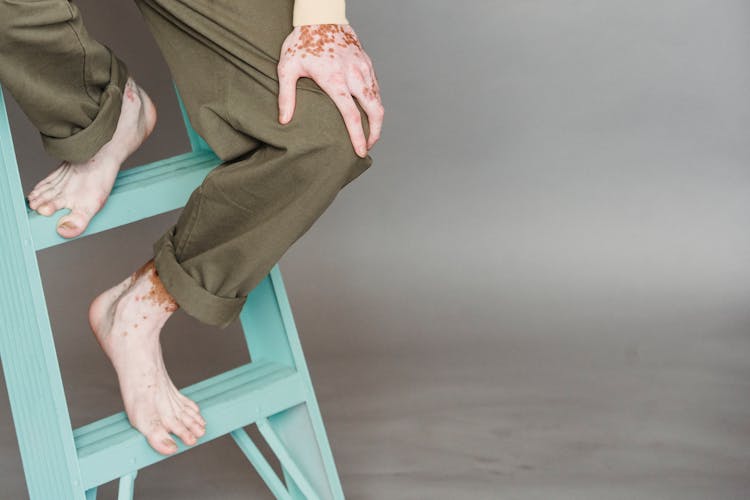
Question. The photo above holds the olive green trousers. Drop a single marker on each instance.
(274, 180)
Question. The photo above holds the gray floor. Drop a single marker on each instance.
(661, 414)
(539, 291)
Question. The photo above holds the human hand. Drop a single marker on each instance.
(332, 56)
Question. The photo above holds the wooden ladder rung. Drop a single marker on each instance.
(138, 193)
(109, 448)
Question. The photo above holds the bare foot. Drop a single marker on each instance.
(127, 320)
(85, 187)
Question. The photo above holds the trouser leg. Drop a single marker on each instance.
(275, 180)
(68, 84)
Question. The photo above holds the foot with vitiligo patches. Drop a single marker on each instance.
(85, 187)
(127, 321)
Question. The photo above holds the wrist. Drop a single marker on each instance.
(308, 12)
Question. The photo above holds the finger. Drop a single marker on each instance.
(342, 97)
(376, 87)
(371, 69)
(375, 81)
(288, 77)
(366, 95)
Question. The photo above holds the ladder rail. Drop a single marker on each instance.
(27, 347)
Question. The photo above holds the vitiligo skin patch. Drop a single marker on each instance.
(333, 41)
(157, 293)
(314, 40)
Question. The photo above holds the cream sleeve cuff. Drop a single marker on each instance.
(319, 12)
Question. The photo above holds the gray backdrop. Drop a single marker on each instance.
(539, 290)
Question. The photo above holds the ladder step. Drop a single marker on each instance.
(110, 448)
(139, 192)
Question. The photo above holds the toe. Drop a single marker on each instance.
(44, 193)
(189, 402)
(186, 401)
(192, 423)
(40, 189)
(161, 441)
(49, 207)
(73, 224)
(67, 229)
(195, 414)
(178, 428)
(49, 182)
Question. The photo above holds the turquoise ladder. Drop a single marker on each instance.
(273, 390)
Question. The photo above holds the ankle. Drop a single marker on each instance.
(148, 289)
(135, 310)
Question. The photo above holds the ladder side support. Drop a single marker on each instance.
(27, 348)
(260, 463)
(271, 334)
(289, 464)
(197, 143)
(126, 486)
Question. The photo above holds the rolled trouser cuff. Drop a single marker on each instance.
(187, 292)
(82, 145)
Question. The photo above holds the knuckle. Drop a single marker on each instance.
(338, 80)
(358, 75)
(285, 67)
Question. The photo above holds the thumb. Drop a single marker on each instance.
(287, 94)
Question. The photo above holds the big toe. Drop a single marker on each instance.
(68, 229)
(161, 441)
(73, 224)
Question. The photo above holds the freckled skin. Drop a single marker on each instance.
(128, 331)
(157, 294)
(345, 74)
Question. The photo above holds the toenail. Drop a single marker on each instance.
(66, 225)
